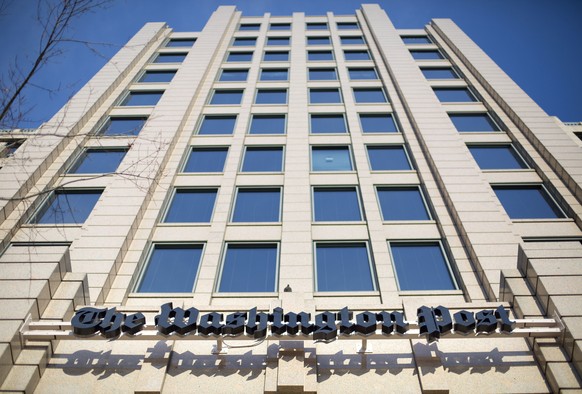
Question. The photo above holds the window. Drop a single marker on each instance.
(67, 207)
(369, 95)
(122, 126)
(347, 26)
(249, 27)
(170, 58)
(216, 124)
(280, 26)
(98, 161)
(275, 74)
(257, 205)
(316, 26)
(352, 40)
(527, 202)
(171, 269)
(206, 160)
(226, 97)
(263, 159)
(328, 123)
(402, 203)
(278, 41)
(337, 204)
(9, 146)
(268, 124)
(388, 158)
(322, 74)
(318, 41)
(362, 73)
(239, 57)
(426, 55)
(233, 75)
(497, 157)
(157, 76)
(356, 55)
(244, 42)
(416, 40)
(421, 266)
(325, 96)
(473, 122)
(282, 56)
(378, 123)
(319, 55)
(454, 95)
(249, 268)
(271, 96)
(439, 73)
(134, 99)
(343, 267)
(331, 158)
(191, 206)
(180, 42)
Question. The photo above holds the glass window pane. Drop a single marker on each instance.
(206, 160)
(402, 203)
(276, 56)
(388, 158)
(454, 95)
(527, 202)
(378, 123)
(317, 26)
(319, 55)
(324, 96)
(328, 124)
(347, 26)
(362, 73)
(343, 267)
(170, 58)
(249, 27)
(98, 161)
(318, 41)
(226, 97)
(157, 76)
(473, 122)
(357, 55)
(191, 206)
(257, 205)
(426, 55)
(421, 267)
(352, 40)
(275, 74)
(249, 268)
(244, 41)
(123, 126)
(67, 207)
(281, 41)
(497, 157)
(322, 74)
(271, 96)
(439, 73)
(134, 99)
(240, 57)
(263, 159)
(416, 40)
(369, 95)
(180, 42)
(336, 204)
(280, 26)
(171, 269)
(215, 124)
(324, 158)
(268, 124)
(234, 75)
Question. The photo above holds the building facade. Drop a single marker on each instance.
(308, 163)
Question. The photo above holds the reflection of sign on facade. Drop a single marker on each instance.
(432, 323)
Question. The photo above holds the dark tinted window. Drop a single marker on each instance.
(347, 26)
(244, 41)
(369, 95)
(122, 126)
(416, 40)
(439, 73)
(473, 122)
(527, 202)
(171, 269)
(343, 267)
(328, 123)
(216, 124)
(234, 75)
(263, 159)
(157, 76)
(388, 158)
(249, 27)
(280, 26)
(454, 95)
(352, 40)
(98, 161)
(257, 205)
(497, 157)
(322, 74)
(134, 99)
(324, 96)
(316, 26)
(336, 204)
(267, 124)
(249, 268)
(275, 74)
(240, 57)
(357, 55)
(378, 123)
(180, 42)
(170, 58)
(191, 206)
(319, 55)
(402, 203)
(67, 207)
(332, 158)
(226, 97)
(271, 96)
(426, 55)
(318, 41)
(283, 41)
(206, 160)
(276, 56)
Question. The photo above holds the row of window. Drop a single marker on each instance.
(286, 41)
(308, 26)
(253, 267)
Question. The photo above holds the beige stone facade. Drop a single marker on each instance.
(531, 264)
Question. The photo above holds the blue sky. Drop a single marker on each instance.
(536, 42)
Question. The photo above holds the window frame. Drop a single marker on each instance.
(356, 88)
(286, 69)
(339, 90)
(346, 51)
(309, 69)
(170, 200)
(472, 95)
(312, 24)
(145, 72)
(288, 26)
(126, 97)
(243, 157)
(214, 91)
(451, 68)
(418, 187)
(228, 53)
(203, 117)
(343, 24)
(381, 145)
(277, 40)
(243, 38)
(307, 38)
(255, 188)
(342, 38)
(392, 115)
(258, 25)
(268, 52)
(258, 90)
(324, 114)
(203, 147)
(252, 116)
(154, 60)
(170, 40)
(414, 50)
(222, 70)
(350, 69)
(355, 188)
(331, 146)
(405, 36)
(309, 51)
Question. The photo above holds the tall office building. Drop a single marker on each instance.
(268, 166)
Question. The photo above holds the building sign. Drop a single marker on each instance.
(174, 323)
